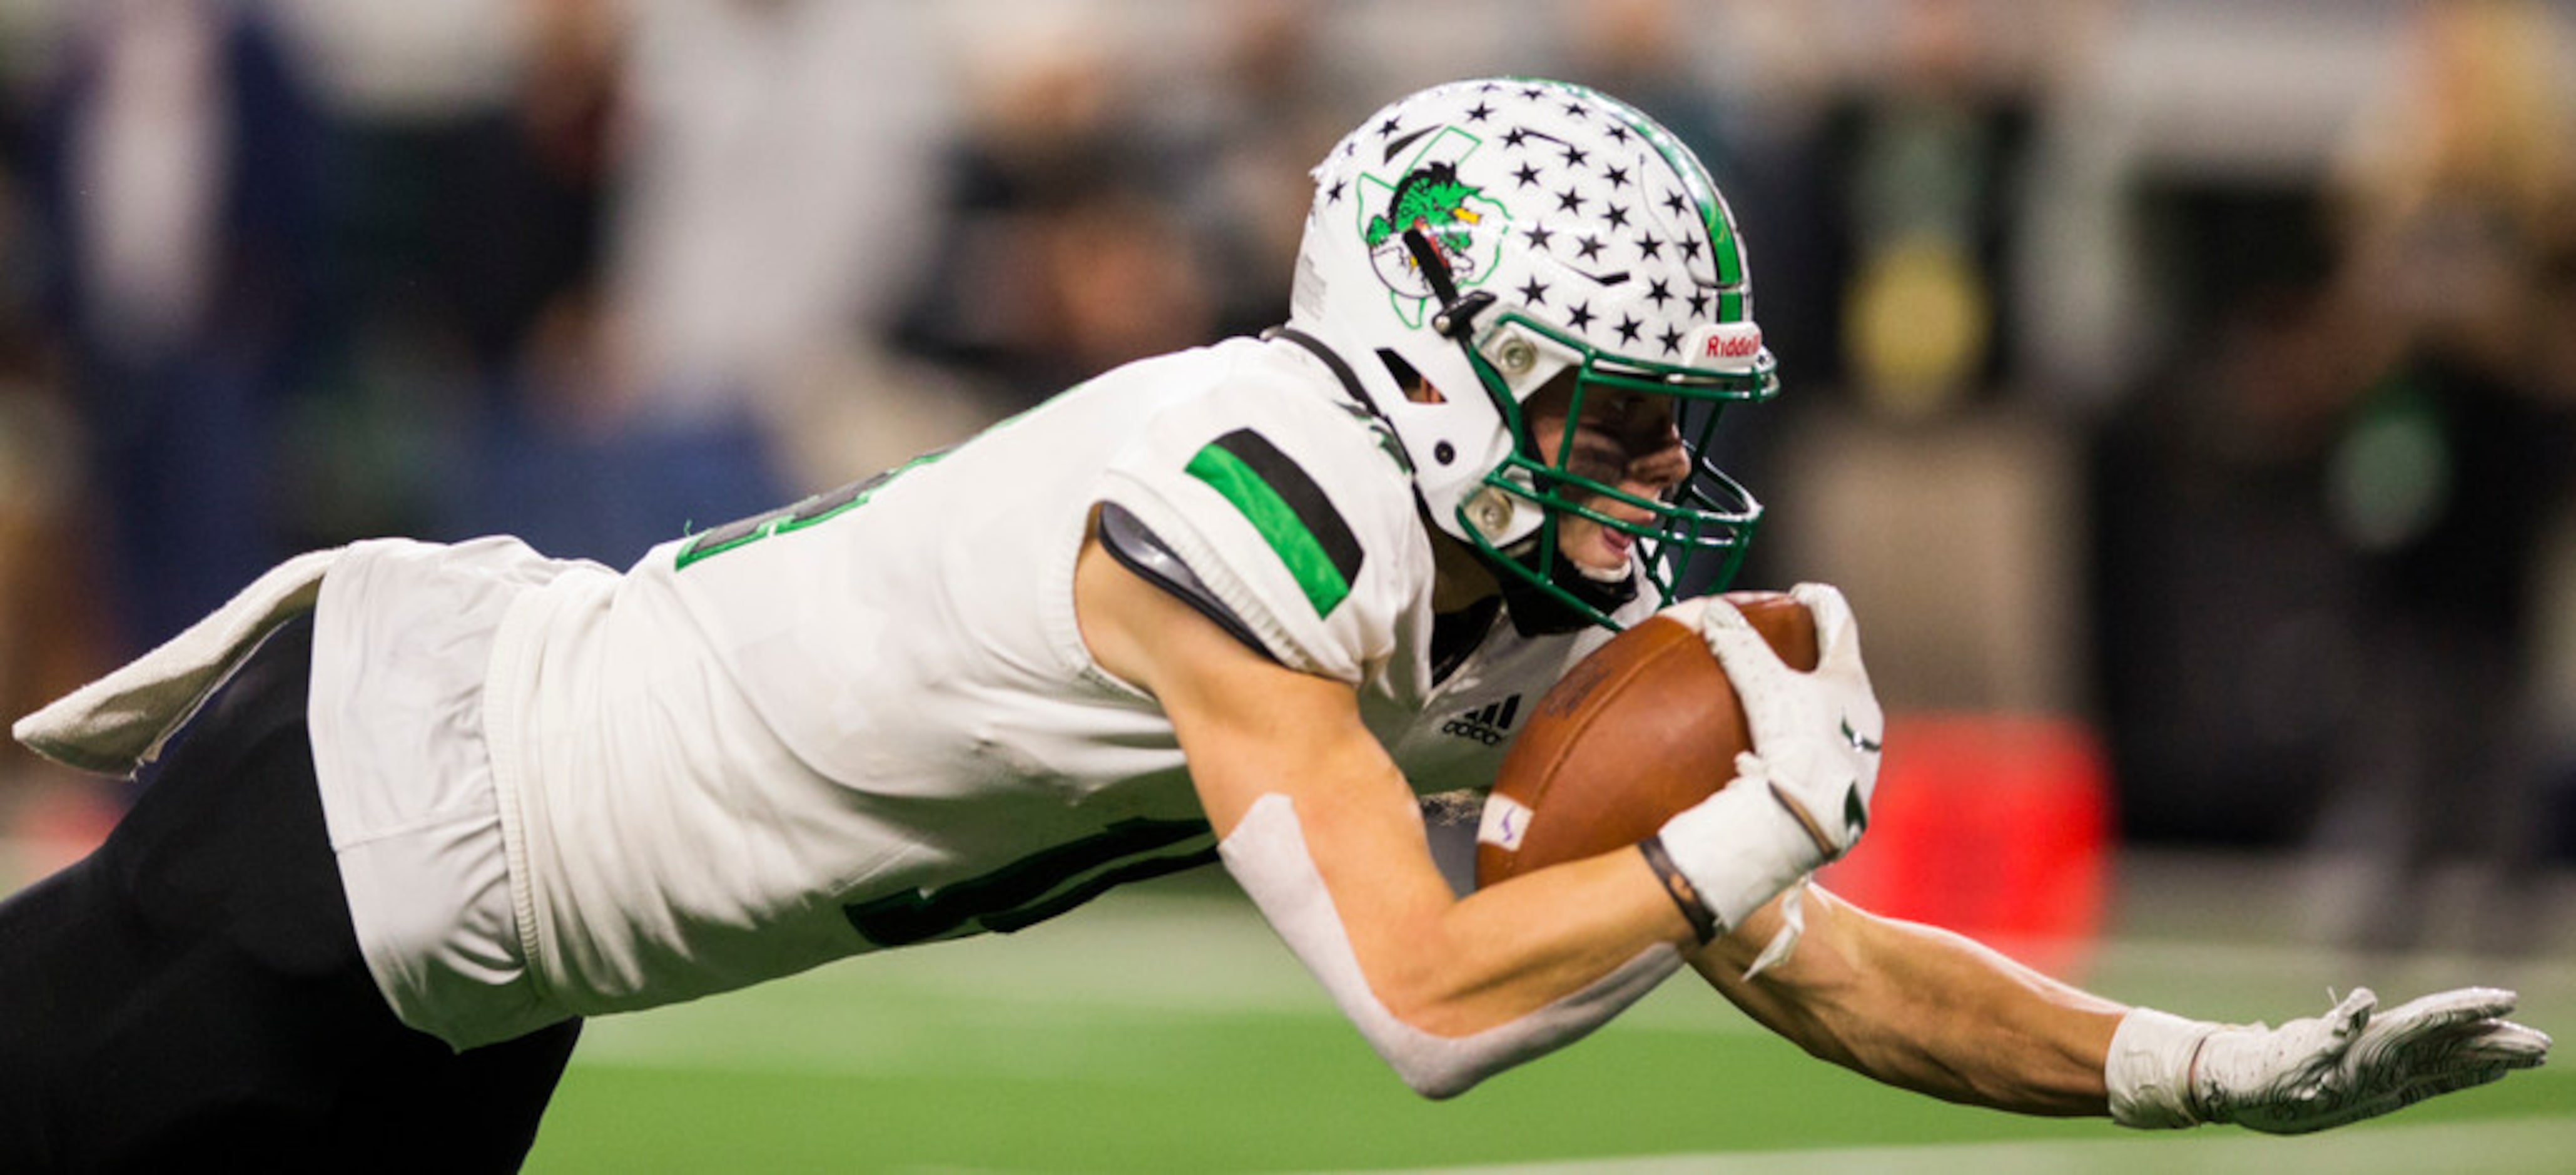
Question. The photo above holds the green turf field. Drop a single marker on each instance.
(1164, 1029)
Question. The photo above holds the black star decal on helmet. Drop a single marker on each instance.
(1690, 248)
(1589, 247)
(1576, 156)
(1570, 200)
(1699, 303)
(1599, 279)
(1396, 145)
(1617, 217)
(1480, 113)
(1579, 316)
(1617, 133)
(1388, 128)
(1648, 246)
(1534, 93)
(1672, 339)
(1333, 195)
(1627, 328)
(1659, 292)
(1618, 177)
(1534, 292)
(1574, 110)
(1527, 175)
(1680, 204)
(1516, 137)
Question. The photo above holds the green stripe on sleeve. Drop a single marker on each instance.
(1314, 567)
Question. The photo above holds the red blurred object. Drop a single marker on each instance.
(1998, 827)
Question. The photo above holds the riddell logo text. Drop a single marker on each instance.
(1737, 345)
(1490, 725)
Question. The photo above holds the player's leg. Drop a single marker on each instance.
(193, 991)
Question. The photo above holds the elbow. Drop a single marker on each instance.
(1440, 1085)
(1432, 1029)
(1425, 1035)
(1436, 1068)
(1442, 1039)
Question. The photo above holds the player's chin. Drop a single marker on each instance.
(1599, 552)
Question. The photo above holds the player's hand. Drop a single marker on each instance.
(2349, 1064)
(1815, 735)
(1801, 795)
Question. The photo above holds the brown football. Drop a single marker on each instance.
(1640, 730)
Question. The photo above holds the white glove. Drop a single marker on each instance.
(2344, 1066)
(1801, 794)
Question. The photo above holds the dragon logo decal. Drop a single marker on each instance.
(1463, 223)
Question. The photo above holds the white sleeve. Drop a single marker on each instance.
(1267, 854)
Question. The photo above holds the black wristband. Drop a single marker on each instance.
(1677, 887)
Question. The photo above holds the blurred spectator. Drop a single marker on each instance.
(773, 189)
(1898, 468)
(175, 168)
(2228, 631)
(1926, 158)
(2552, 713)
(1062, 254)
(1238, 132)
(531, 454)
(771, 195)
(2454, 458)
(469, 180)
(50, 625)
(663, 218)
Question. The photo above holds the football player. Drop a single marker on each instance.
(413, 811)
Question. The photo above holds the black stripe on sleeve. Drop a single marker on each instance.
(1304, 498)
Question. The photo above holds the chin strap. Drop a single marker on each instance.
(1535, 610)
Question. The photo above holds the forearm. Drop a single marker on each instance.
(1924, 1009)
(1508, 949)
(1444, 1018)
(1444, 964)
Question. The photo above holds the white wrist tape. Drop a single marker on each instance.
(1739, 848)
(2149, 1069)
(1267, 855)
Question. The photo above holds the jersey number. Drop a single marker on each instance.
(818, 508)
(1025, 892)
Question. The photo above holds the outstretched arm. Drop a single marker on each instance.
(1932, 1011)
(1920, 1008)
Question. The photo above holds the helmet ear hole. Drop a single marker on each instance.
(1415, 387)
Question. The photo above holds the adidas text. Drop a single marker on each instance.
(1489, 725)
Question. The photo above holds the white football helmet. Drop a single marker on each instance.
(1486, 236)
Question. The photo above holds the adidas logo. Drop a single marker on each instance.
(1489, 726)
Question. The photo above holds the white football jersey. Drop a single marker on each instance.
(869, 719)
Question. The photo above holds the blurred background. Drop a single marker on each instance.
(2183, 390)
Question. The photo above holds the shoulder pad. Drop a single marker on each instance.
(1284, 505)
